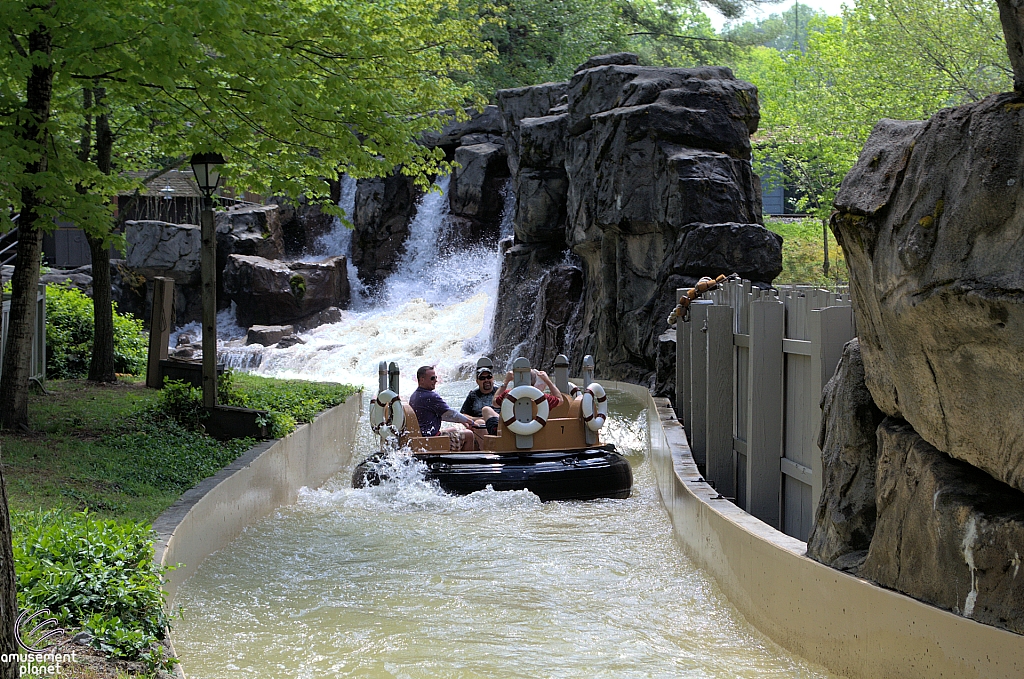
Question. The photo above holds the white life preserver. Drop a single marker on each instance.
(594, 417)
(387, 417)
(574, 391)
(508, 410)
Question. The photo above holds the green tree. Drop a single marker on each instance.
(786, 31)
(902, 59)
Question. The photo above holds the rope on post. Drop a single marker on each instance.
(705, 284)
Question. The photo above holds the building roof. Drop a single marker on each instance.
(174, 183)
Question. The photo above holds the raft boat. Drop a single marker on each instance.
(556, 454)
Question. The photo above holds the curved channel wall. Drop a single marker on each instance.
(211, 515)
(846, 624)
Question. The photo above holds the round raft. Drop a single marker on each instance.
(598, 472)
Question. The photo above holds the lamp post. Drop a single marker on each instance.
(206, 168)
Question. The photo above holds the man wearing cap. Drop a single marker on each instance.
(482, 396)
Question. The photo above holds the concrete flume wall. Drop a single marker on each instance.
(211, 515)
(847, 624)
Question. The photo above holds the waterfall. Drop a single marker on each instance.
(436, 309)
(338, 241)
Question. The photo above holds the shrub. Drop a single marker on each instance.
(183, 403)
(96, 574)
(69, 335)
(288, 401)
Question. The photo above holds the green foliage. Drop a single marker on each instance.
(97, 574)
(165, 453)
(786, 31)
(902, 59)
(183, 403)
(69, 334)
(803, 253)
(289, 401)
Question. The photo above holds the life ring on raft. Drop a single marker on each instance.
(574, 391)
(508, 410)
(387, 417)
(594, 417)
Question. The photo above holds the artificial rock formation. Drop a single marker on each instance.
(946, 532)
(845, 519)
(386, 206)
(619, 165)
(270, 292)
(930, 222)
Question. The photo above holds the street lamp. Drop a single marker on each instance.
(206, 169)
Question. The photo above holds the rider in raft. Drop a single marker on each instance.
(490, 414)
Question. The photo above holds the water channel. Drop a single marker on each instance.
(402, 580)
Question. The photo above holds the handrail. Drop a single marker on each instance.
(13, 233)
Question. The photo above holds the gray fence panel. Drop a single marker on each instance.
(764, 444)
(721, 462)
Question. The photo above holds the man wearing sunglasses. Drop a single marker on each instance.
(431, 409)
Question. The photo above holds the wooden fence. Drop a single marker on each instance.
(750, 367)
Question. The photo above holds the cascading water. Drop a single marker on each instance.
(435, 309)
(338, 241)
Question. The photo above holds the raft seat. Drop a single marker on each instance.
(565, 430)
(420, 444)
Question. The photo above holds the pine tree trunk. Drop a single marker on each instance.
(101, 367)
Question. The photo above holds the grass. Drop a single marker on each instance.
(106, 448)
(803, 254)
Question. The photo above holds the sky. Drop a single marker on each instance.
(829, 6)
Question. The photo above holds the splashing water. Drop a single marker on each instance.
(437, 309)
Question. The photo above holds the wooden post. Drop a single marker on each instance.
(721, 465)
(208, 266)
(159, 328)
(698, 380)
(764, 409)
(683, 370)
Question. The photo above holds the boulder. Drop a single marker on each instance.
(475, 188)
(487, 121)
(267, 335)
(80, 277)
(249, 230)
(270, 292)
(534, 101)
(946, 532)
(290, 341)
(845, 519)
(303, 224)
(929, 222)
(617, 59)
(750, 250)
(665, 373)
(383, 210)
(164, 249)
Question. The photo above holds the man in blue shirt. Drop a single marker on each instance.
(431, 409)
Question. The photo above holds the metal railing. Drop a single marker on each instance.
(9, 244)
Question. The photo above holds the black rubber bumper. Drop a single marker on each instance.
(551, 475)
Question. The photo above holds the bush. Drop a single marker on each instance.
(289, 401)
(69, 336)
(95, 574)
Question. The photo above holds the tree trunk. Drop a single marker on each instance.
(101, 367)
(8, 585)
(18, 352)
(1011, 16)
(824, 240)
(14, 382)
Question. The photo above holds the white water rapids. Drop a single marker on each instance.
(403, 581)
